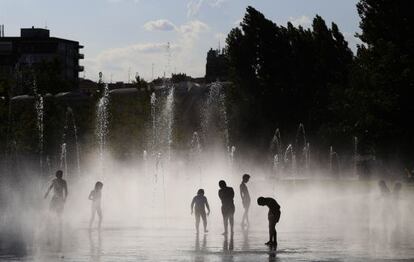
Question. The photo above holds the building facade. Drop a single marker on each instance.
(35, 54)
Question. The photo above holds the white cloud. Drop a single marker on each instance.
(303, 21)
(193, 28)
(160, 25)
(140, 57)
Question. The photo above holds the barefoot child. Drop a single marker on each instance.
(273, 216)
(96, 196)
(200, 203)
(245, 196)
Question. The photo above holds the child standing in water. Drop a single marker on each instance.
(96, 196)
(200, 203)
(245, 196)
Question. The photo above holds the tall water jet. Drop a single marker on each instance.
(169, 118)
(158, 166)
(276, 143)
(144, 161)
(331, 154)
(63, 159)
(276, 164)
(102, 122)
(159, 170)
(195, 145)
(39, 107)
(223, 112)
(289, 158)
(301, 136)
(231, 152)
(195, 154)
(302, 147)
(70, 122)
(276, 150)
(75, 134)
(154, 121)
(216, 106)
(333, 161)
(307, 156)
(355, 158)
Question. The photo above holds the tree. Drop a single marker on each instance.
(283, 76)
(387, 61)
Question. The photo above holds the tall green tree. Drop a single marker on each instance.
(386, 63)
(282, 76)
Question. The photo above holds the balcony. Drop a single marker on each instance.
(81, 68)
(81, 56)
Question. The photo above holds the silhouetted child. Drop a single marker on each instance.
(226, 195)
(245, 196)
(60, 193)
(273, 216)
(200, 204)
(57, 204)
(96, 196)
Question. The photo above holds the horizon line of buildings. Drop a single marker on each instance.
(35, 52)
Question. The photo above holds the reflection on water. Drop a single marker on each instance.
(95, 246)
(245, 232)
(197, 243)
(145, 244)
(228, 246)
(200, 250)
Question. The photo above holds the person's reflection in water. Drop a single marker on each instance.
(245, 246)
(227, 249)
(200, 251)
(95, 248)
(228, 245)
(197, 243)
(272, 255)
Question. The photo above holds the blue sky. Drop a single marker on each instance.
(122, 37)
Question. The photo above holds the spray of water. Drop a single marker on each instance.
(39, 107)
(102, 122)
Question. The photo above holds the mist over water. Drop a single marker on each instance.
(146, 201)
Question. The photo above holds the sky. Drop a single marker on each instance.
(124, 37)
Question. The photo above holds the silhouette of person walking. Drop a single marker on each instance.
(60, 193)
(96, 196)
(245, 196)
(273, 216)
(226, 195)
(200, 204)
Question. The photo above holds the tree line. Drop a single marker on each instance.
(285, 75)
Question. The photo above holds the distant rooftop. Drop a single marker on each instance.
(34, 32)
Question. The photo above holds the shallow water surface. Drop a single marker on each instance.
(181, 243)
